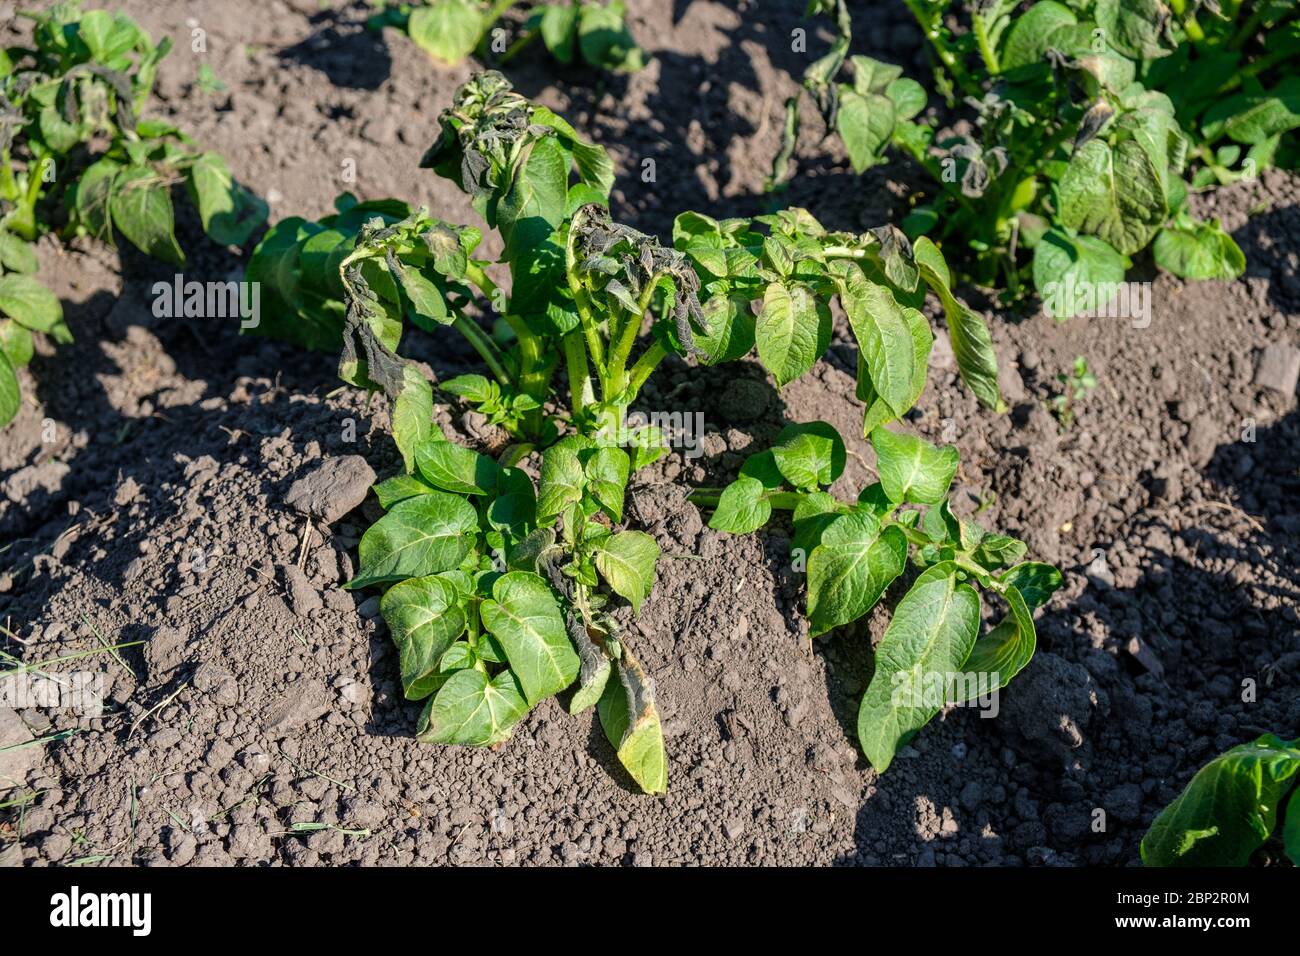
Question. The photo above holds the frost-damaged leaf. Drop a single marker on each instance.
(793, 329)
(425, 618)
(456, 468)
(562, 477)
(142, 210)
(413, 416)
(525, 618)
(924, 647)
(809, 454)
(971, 343)
(418, 536)
(448, 30)
(631, 723)
(627, 562)
(911, 469)
(472, 709)
(850, 569)
(1228, 809)
(596, 665)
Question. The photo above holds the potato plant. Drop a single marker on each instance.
(26, 307)
(78, 156)
(1235, 804)
(932, 654)
(1089, 118)
(450, 30)
(544, 576)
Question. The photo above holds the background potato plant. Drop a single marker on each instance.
(1092, 120)
(77, 156)
(450, 30)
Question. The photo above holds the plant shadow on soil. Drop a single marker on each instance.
(341, 47)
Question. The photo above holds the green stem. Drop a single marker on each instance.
(575, 362)
(627, 336)
(987, 53)
(581, 301)
(644, 366)
(484, 346)
(931, 26)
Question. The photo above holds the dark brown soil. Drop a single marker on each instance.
(142, 499)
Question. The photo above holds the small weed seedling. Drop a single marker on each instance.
(1231, 808)
(77, 156)
(450, 30)
(932, 654)
(1088, 117)
(1075, 387)
(500, 592)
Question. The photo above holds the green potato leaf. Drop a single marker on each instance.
(10, 397)
(1073, 273)
(562, 477)
(606, 470)
(526, 620)
(31, 305)
(141, 207)
(456, 468)
(928, 641)
(809, 455)
(413, 426)
(230, 214)
(473, 709)
(971, 343)
(1204, 251)
(425, 617)
(1228, 809)
(1116, 194)
(742, 508)
(626, 561)
(911, 469)
(850, 569)
(793, 329)
(448, 30)
(417, 537)
(865, 124)
(399, 488)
